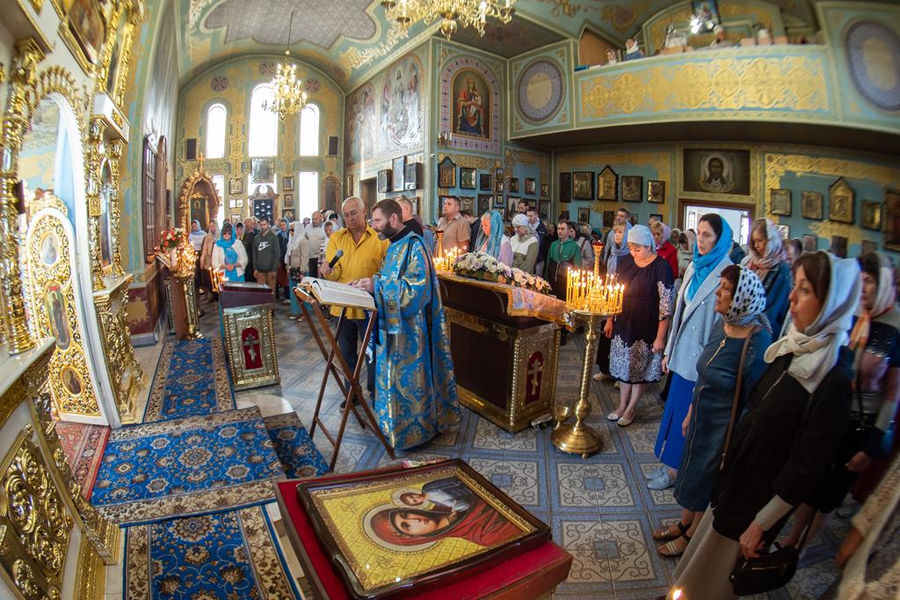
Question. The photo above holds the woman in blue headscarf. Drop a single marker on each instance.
(692, 325)
(491, 239)
(229, 256)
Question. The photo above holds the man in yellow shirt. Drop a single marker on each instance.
(363, 254)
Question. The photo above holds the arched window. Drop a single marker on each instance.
(263, 127)
(307, 192)
(309, 130)
(216, 119)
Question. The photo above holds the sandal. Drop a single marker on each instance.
(623, 422)
(671, 550)
(665, 534)
(612, 417)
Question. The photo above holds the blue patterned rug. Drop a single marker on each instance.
(188, 466)
(298, 455)
(191, 379)
(223, 556)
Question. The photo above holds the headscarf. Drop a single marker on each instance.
(667, 233)
(294, 238)
(640, 235)
(520, 221)
(885, 299)
(748, 302)
(816, 348)
(496, 237)
(228, 251)
(691, 240)
(196, 237)
(706, 263)
(775, 253)
(615, 252)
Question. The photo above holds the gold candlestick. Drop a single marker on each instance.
(580, 438)
(591, 299)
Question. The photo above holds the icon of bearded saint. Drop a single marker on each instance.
(717, 175)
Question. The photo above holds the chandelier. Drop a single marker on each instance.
(288, 97)
(452, 13)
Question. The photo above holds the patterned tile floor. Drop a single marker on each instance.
(599, 509)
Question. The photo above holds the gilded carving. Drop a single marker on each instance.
(788, 83)
(102, 534)
(91, 578)
(92, 165)
(125, 373)
(34, 524)
(15, 120)
(235, 322)
(53, 308)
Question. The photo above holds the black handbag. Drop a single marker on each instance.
(766, 572)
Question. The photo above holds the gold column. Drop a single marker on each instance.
(92, 168)
(115, 207)
(15, 121)
(190, 300)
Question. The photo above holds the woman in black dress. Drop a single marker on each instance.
(639, 333)
(784, 446)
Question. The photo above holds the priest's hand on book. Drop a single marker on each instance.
(365, 284)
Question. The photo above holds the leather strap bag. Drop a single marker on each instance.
(737, 397)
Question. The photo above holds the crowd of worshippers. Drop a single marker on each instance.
(783, 366)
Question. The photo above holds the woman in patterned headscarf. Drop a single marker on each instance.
(740, 300)
(768, 260)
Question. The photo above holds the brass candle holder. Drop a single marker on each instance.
(590, 298)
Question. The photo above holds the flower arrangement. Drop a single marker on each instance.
(169, 240)
(176, 252)
(479, 265)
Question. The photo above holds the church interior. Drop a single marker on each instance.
(155, 416)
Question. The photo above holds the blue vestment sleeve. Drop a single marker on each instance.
(403, 297)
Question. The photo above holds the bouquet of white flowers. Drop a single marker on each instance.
(479, 265)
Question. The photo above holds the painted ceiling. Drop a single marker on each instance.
(349, 39)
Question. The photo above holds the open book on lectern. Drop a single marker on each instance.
(332, 293)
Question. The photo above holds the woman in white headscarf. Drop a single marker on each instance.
(768, 260)
(296, 261)
(525, 244)
(876, 342)
(786, 443)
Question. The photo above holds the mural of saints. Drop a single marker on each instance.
(401, 127)
(361, 125)
(472, 112)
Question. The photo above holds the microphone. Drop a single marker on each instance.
(337, 257)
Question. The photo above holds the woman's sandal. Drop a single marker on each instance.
(671, 549)
(665, 534)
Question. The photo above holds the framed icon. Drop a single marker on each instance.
(780, 202)
(565, 187)
(582, 185)
(287, 183)
(840, 202)
(530, 186)
(513, 185)
(447, 173)
(812, 205)
(608, 184)
(656, 191)
(236, 185)
(466, 178)
(632, 188)
(545, 190)
(397, 173)
(871, 215)
(810, 243)
(484, 182)
(288, 201)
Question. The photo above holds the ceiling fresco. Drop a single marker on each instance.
(350, 39)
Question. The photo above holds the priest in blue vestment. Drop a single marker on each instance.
(415, 390)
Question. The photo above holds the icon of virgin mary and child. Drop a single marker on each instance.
(443, 508)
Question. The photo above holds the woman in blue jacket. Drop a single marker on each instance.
(692, 325)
